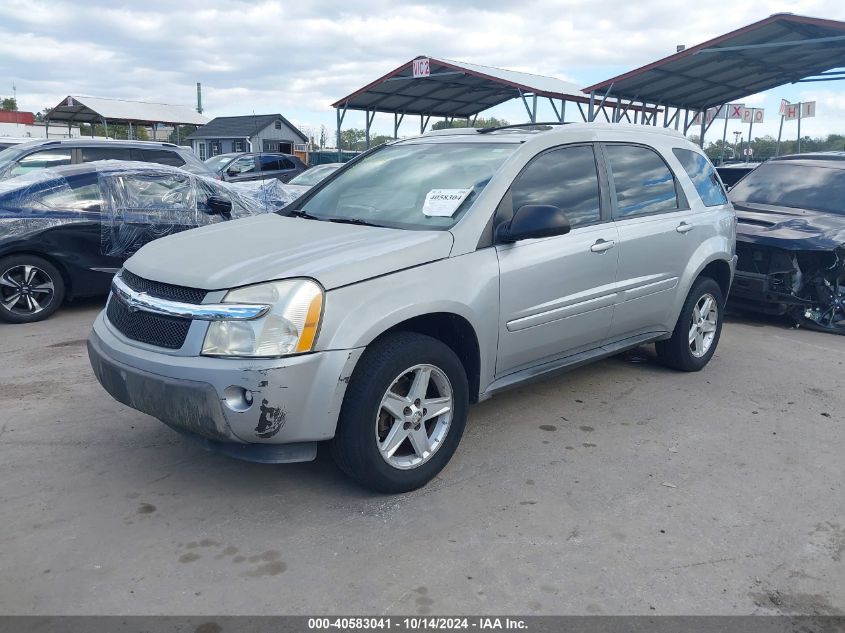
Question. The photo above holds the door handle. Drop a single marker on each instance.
(683, 227)
(602, 245)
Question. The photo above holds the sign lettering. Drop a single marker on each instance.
(422, 67)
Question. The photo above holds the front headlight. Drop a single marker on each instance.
(289, 327)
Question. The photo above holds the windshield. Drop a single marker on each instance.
(784, 184)
(410, 186)
(313, 175)
(8, 155)
(216, 163)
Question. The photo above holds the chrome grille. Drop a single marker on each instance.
(145, 327)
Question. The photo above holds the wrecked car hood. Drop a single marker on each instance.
(269, 247)
(790, 229)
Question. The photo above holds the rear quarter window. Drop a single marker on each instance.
(162, 157)
(642, 181)
(703, 177)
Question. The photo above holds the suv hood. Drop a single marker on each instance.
(269, 247)
(787, 228)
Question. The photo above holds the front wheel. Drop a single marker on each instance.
(698, 329)
(403, 414)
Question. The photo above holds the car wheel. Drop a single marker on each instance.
(829, 315)
(698, 329)
(31, 289)
(403, 414)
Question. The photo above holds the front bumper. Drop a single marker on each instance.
(295, 400)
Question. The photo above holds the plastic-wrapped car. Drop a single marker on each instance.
(64, 232)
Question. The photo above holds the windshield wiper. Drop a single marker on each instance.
(298, 213)
(357, 221)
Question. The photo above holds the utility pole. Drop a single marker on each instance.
(737, 134)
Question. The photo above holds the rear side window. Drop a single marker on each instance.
(565, 178)
(42, 160)
(271, 163)
(162, 157)
(643, 182)
(703, 177)
(90, 154)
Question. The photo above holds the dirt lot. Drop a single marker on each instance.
(618, 488)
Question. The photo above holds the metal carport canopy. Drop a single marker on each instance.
(79, 109)
(783, 48)
(454, 89)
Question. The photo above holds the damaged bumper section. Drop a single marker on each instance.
(273, 410)
(807, 285)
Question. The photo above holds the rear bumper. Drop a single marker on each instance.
(294, 401)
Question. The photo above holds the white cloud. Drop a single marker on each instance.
(298, 58)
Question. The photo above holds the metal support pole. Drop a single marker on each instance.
(581, 110)
(780, 132)
(603, 99)
(340, 115)
(369, 121)
(703, 128)
(592, 105)
(534, 109)
(129, 136)
(666, 117)
(724, 136)
(69, 135)
(563, 110)
(396, 123)
(799, 129)
(686, 121)
(474, 119)
(750, 127)
(106, 127)
(424, 123)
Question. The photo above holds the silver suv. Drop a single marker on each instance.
(426, 275)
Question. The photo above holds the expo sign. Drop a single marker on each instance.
(753, 115)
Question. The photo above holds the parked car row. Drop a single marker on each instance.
(246, 166)
(42, 154)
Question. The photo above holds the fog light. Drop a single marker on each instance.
(237, 398)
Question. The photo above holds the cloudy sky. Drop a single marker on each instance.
(298, 57)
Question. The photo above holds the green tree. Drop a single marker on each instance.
(120, 132)
(9, 103)
(182, 137)
(479, 123)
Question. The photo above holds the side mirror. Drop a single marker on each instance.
(219, 206)
(532, 221)
(232, 172)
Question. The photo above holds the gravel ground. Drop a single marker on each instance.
(619, 488)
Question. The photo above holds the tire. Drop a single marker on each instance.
(37, 284)
(679, 352)
(397, 363)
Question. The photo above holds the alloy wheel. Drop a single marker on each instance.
(702, 332)
(414, 416)
(25, 289)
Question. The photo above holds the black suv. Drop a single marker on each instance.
(256, 166)
(41, 154)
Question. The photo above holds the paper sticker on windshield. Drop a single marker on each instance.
(442, 203)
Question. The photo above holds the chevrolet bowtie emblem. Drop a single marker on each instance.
(133, 303)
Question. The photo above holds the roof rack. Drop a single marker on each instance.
(539, 124)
